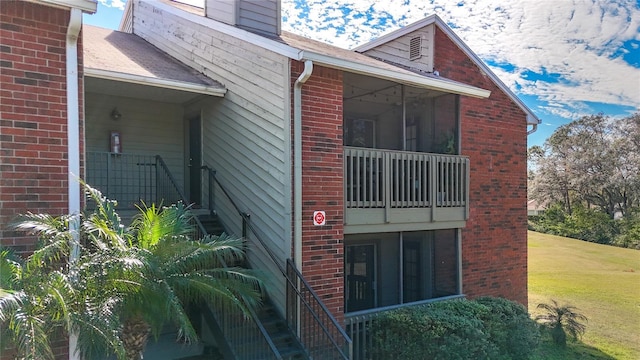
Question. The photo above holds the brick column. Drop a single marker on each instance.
(322, 183)
(33, 115)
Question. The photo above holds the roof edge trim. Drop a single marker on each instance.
(161, 83)
(395, 34)
(87, 6)
(330, 61)
(435, 19)
(531, 117)
(407, 79)
(241, 34)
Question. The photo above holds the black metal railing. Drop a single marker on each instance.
(307, 316)
(135, 180)
(318, 330)
(128, 178)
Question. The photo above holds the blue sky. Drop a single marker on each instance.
(563, 58)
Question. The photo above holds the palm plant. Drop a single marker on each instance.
(127, 282)
(44, 294)
(178, 270)
(562, 320)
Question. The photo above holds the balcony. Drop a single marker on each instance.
(388, 190)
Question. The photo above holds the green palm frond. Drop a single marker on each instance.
(27, 330)
(10, 270)
(98, 329)
(53, 234)
(103, 227)
(154, 224)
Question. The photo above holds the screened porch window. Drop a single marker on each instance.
(399, 268)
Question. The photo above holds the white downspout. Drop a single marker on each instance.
(297, 161)
(73, 143)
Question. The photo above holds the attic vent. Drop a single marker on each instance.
(415, 48)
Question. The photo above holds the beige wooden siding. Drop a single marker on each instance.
(246, 133)
(146, 128)
(397, 51)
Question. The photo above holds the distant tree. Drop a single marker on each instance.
(593, 160)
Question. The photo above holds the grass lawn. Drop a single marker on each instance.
(602, 281)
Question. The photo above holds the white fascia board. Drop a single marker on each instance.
(531, 117)
(87, 6)
(396, 34)
(329, 61)
(161, 83)
(404, 78)
(258, 40)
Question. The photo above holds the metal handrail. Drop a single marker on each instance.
(316, 298)
(253, 315)
(200, 229)
(292, 284)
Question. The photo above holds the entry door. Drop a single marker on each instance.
(360, 274)
(411, 270)
(195, 160)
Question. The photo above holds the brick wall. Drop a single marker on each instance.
(322, 182)
(33, 118)
(33, 123)
(493, 131)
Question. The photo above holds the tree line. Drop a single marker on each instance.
(588, 174)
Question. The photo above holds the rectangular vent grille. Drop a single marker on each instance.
(415, 48)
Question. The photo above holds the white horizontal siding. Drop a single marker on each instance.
(260, 15)
(221, 10)
(397, 51)
(247, 133)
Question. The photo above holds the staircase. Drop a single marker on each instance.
(211, 224)
(263, 335)
(286, 343)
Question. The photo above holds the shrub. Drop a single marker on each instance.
(510, 327)
(629, 230)
(583, 223)
(483, 329)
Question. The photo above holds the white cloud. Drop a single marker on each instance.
(118, 4)
(576, 40)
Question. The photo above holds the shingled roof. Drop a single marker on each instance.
(127, 57)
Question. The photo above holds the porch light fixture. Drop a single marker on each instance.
(115, 114)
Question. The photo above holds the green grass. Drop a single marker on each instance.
(602, 281)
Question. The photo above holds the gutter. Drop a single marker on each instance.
(297, 161)
(397, 76)
(73, 143)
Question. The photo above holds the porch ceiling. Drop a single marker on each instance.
(124, 64)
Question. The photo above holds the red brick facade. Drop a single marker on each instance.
(33, 114)
(322, 183)
(33, 118)
(494, 242)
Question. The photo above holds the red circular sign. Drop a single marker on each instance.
(319, 218)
